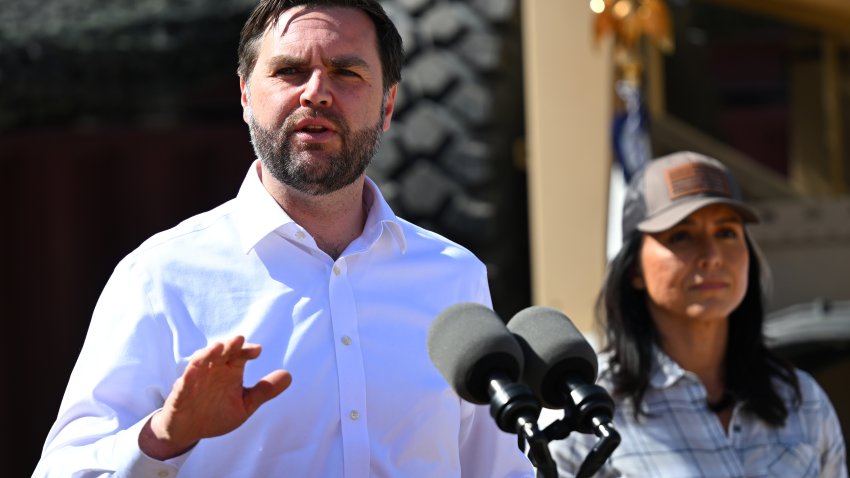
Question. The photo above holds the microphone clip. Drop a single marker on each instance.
(515, 409)
(589, 409)
(586, 404)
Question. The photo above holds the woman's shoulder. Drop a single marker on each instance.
(812, 406)
(811, 392)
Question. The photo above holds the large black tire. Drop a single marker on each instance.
(449, 161)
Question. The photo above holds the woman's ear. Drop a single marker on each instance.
(637, 279)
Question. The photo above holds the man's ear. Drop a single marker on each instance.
(245, 100)
(389, 106)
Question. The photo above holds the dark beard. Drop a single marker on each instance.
(315, 177)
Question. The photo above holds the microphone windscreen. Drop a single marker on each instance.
(554, 350)
(467, 343)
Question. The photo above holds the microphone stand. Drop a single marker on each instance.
(516, 410)
(589, 410)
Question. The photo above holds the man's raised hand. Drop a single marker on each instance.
(209, 399)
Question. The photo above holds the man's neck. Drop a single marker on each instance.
(334, 220)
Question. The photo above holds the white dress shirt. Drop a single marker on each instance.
(365, 399)
(682, 438)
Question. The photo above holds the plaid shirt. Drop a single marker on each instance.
(681, 438)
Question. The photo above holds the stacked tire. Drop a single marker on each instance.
(449, 162)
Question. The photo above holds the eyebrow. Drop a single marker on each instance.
(344, 61)
(348, 61)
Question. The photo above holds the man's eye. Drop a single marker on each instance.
(343, 72)
(286, 71)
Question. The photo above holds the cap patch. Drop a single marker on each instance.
(693, 178)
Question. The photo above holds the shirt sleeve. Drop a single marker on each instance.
(109, 396)
(487, 451)
(831, 440)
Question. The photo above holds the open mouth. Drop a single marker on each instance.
(313, 129)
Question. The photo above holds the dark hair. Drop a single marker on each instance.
(631, 334)
(267, 12)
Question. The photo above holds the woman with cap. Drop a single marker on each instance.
(698, 393)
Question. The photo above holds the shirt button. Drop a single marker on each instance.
(346, 340)
(163, 473)
(354, 415)
(337, 270)
(300, 235)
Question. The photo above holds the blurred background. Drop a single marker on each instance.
(516, 124)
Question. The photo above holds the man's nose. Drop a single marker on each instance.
(316, 93)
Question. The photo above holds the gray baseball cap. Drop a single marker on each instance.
(670, 188)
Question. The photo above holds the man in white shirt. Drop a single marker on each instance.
(309, 262)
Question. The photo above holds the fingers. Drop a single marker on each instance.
(232, 346)
(267, 388)
(233, 351)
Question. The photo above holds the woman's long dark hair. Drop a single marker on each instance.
(631, 334)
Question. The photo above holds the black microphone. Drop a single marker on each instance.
(473, 350)
(482, 361)
(561, 369)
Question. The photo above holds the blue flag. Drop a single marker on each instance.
(630, 130)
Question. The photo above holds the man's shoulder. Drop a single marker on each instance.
(212, 226)
(422, 240)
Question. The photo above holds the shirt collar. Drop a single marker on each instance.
(263, 215)
(381, 216)
(665, 371)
